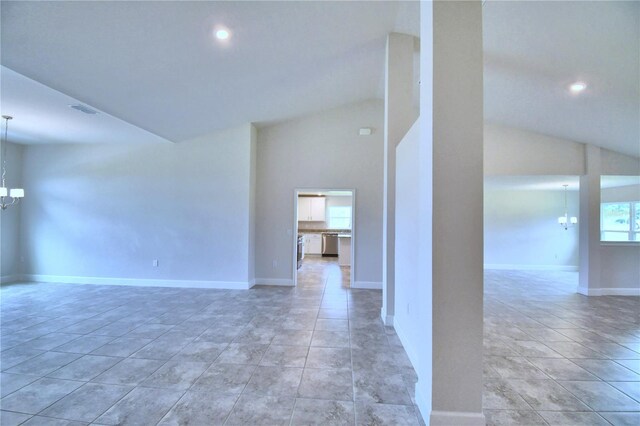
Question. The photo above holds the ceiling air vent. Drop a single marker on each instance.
(84, 108)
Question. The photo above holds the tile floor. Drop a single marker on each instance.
(558, 358)
(315, 354)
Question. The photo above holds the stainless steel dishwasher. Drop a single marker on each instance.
(330, 244)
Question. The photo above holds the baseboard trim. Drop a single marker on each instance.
(367, 285)
(136, 282)
(423, 400)
(7, 279)
(406, 343)
(458, 418)
(388, 320)
(602, 291)
(508, 267)
(274, 281)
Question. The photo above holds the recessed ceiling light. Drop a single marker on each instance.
(222, 34)
(578, 87)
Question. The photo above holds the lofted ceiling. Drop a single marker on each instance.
(533, 51)
(44, 114)
(156, 67)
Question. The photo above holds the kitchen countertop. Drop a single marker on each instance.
(320, 231)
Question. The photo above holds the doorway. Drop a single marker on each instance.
(324, 236)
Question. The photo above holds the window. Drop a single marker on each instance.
(339, 217)
(620, 221)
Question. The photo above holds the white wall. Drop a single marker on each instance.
(620, 194)
(107, 211)
(511, 151)
(10, 218)
(407, 254)
(317, 152)
(620, 270)
(613, 163)
(252, 204)
(519, 152)
(521, 230)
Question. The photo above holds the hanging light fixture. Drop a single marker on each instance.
(16, 193)
(566, 221)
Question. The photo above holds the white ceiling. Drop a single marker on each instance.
(534, 50)
(54, 121)
(156, 65)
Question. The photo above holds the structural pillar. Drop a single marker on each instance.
(589, 223)
(399, 115)
(454, 34)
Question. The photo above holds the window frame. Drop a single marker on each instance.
(332, 217)
(633, 236)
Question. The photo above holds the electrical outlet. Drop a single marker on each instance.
(274, 264)
(155, 263)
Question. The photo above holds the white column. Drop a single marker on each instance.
(424, 302)
(398, 118)
(589, 223)
(457, 240)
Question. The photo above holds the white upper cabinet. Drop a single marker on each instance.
(311, 209)
(318, 209)
(304, 208)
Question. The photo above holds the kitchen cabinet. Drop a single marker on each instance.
(313, 243)
(344, 250)
(311, 209)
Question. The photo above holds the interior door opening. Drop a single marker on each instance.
(324, 248)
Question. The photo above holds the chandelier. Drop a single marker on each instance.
(566, 221)
(16, 193)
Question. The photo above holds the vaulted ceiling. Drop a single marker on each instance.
(533, 51)
(158, 66)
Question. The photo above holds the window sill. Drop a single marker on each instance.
(620, 243)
